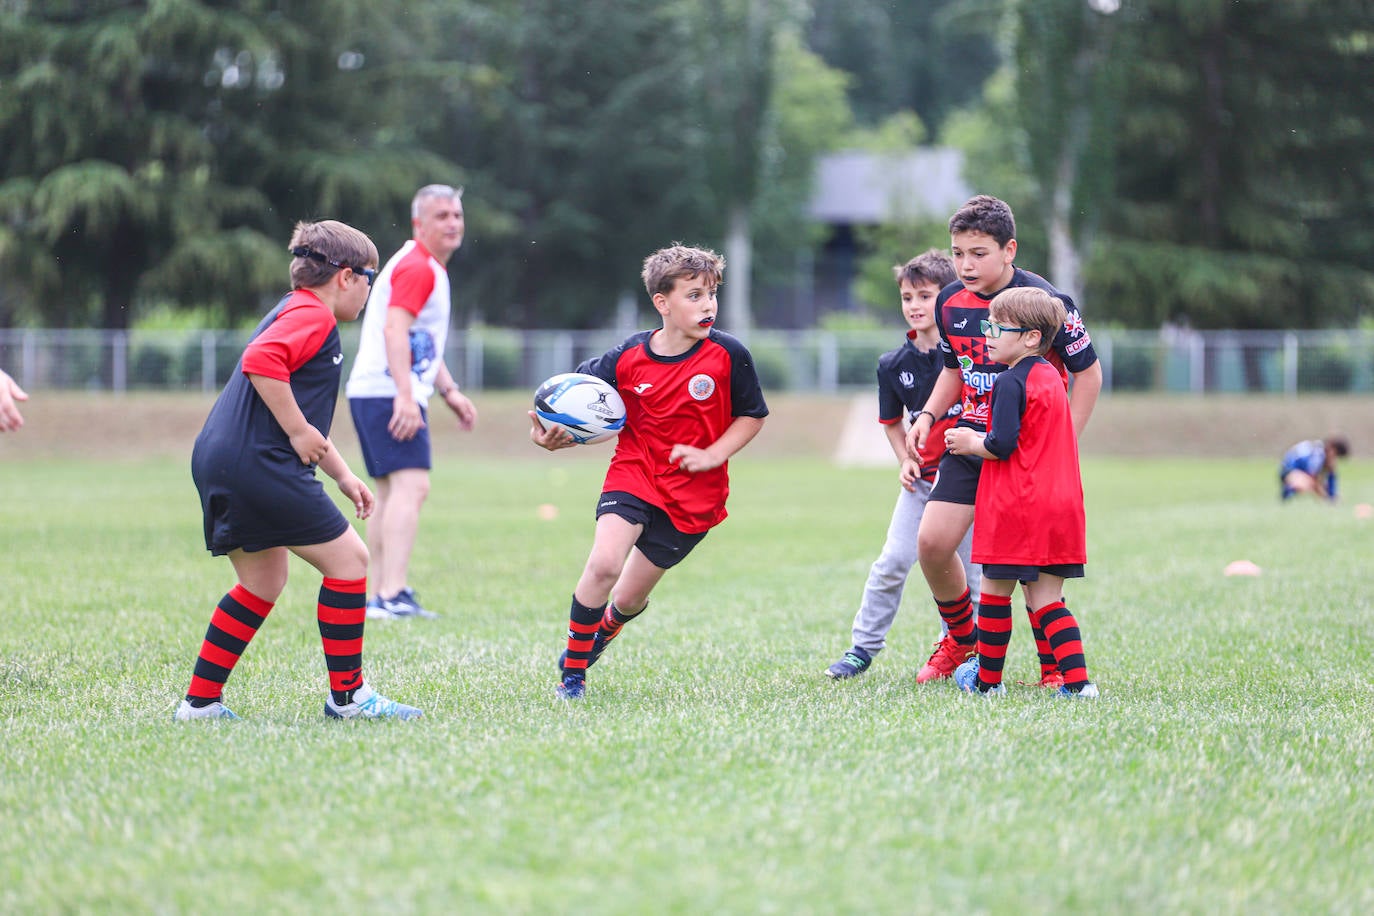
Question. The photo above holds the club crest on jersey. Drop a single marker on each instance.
(906, 378)
(979, 380)
(701, 387)
(1074, 323)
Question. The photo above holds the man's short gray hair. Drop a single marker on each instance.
(434, 190)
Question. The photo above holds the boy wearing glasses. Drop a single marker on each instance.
(1029, 524)
(254, 465)
(983, 243)
(400, 364)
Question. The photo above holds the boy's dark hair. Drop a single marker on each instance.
(1338, 444)
(1030, 307)
(318, 249)
(666, 266)
(933, 266)
(986, 214)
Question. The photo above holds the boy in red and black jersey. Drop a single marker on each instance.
(983, 243)
(692, 400)
(1029, 522)
(254, 465)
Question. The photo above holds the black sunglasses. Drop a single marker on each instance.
(303, 252)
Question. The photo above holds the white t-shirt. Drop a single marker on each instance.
(412, 280)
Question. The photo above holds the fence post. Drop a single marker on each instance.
(28, 347)
(472, 362)
(1104, 356)
(1290, 364)
(827, 362)
(207, 361)
(1197, 364)
(119, 380)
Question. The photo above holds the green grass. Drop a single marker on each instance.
(711, 768)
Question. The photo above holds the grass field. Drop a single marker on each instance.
(712, 768)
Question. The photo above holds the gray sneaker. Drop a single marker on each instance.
(404, 605)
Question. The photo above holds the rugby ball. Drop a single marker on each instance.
(586, 406)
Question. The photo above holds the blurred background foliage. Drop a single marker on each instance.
(1190, 161)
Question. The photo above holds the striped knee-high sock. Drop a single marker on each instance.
(958, 618)
(582, 624)
(1042, 645)
(994, 632)
(613, 620)
(342, 612)
(233, 625)
(1061, 629)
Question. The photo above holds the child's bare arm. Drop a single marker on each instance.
(309, 443)
(349, 483)
(736, 436)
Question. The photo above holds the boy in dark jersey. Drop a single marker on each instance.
(1029, 523)
(983, 242)
(254, 465)
(692, 400)
(905, 377)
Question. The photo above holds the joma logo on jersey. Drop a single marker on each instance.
(980, 380)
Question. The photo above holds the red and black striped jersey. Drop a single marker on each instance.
(959, 315)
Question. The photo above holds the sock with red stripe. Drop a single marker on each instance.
(342, 610)
(582, 625)
(613, 620)
(1042, 645)
(233, 625)
(994, 632)
(958, 618)
(1061, 629)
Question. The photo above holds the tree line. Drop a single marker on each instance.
(1199, 161)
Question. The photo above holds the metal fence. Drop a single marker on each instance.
(1273, 362)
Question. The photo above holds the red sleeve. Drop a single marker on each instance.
(412, 282)
(289, 342)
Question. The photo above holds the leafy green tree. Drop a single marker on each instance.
(161, 151)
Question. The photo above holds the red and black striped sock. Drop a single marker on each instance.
(1061, 629)
(1042, 645)
(958, 618)
(994, 632)
(613, 620)
(341, 611)
(233, 625)
(582, 624)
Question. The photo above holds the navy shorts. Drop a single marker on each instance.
(661, 543)
(382, 453)
(957, 479)
(1031, 573)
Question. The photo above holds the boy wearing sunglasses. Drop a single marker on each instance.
(1029, 524)
(983, 243)
(254, 466)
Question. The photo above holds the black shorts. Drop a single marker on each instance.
(1031, 573)
(957, 479)
(661, 543)
(258, 509)
(382, 453)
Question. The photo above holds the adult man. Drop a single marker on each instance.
(400, 365)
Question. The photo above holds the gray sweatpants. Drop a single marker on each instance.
(887, 578)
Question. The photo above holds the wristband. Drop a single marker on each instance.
(927, 413)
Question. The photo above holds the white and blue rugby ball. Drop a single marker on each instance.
(586, 406)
